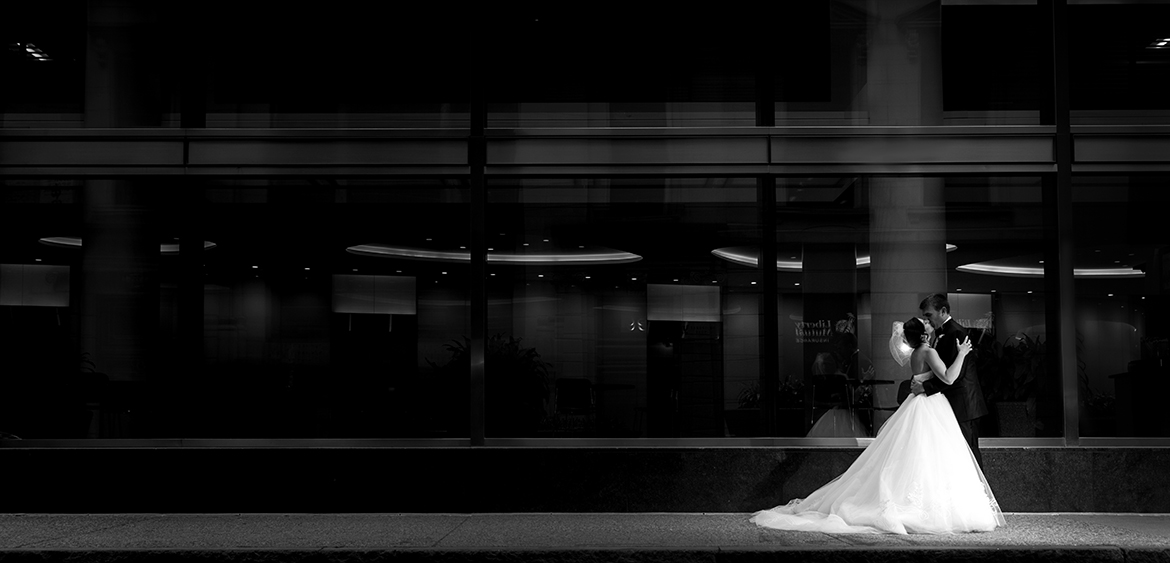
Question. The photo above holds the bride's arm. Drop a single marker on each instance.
(940, 370)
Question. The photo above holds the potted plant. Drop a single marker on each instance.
(516, 385)
(744, 420)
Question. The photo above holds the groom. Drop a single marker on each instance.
(965, 394)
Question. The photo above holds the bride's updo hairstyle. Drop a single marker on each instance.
(912, 331)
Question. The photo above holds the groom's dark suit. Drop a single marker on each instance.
(965, 394)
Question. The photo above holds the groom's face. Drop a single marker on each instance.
(933, 316)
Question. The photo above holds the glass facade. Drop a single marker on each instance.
(557, 226)
(1121, 283)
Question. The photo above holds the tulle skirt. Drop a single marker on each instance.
(917, 476)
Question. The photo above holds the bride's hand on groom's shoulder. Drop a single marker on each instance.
(965, 346)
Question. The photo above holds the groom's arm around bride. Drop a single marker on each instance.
(964, 393)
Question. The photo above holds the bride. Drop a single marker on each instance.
(917, 476)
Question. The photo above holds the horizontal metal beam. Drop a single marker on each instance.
(696, 151)
(1105, 149)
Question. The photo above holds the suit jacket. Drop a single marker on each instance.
(965, 394)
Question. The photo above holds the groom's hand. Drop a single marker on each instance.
(916, 387)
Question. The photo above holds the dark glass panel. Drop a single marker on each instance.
(329, 308)
(353, 64)
(1119, 63)
(614, 293)
(1122, 274)
(86, 298)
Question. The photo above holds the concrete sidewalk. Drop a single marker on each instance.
(583, 537)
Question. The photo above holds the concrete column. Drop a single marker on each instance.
(903, 63)
(119, 271)
(908, 262)
(907, 215)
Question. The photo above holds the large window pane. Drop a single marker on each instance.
(1122, 281)
(911, 62)
(355, 64)
(609, 311)
(1119, 63)
(326, 304)
(85, 299)
(564, 65)
(856, 254)
(43, 63)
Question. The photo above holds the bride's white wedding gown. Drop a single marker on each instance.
(917, 476)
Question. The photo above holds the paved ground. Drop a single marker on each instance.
(355, 538)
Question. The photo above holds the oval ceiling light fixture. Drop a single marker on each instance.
(574, 256)
(749, 256)
(1092, 262)
(1006, 269)
(74, 242)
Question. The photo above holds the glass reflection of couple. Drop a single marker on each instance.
(920, 474)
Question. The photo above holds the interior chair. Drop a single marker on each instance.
(574, 406)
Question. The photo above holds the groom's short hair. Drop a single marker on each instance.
(937, 300)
